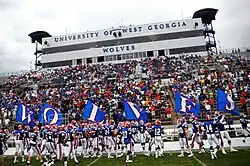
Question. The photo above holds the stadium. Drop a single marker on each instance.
(151, 94)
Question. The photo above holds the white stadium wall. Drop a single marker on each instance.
(141, 30)
(152, 46)
(166, 37)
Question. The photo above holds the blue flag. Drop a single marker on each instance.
(144, 115)
(132, 112)
(25, 115)
(50, 115)
(93, 113)
(225, 103)
(184, 104)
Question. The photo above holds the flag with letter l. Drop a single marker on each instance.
(93, 113)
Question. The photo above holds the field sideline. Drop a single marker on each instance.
(240, 158)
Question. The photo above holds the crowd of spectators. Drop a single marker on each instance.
(233, 77)
(68, 88)
(107, 85)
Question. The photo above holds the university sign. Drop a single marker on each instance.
(131, 29)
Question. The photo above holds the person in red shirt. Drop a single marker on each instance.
(168, 112)
(243, 102)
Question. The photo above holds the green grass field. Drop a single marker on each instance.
(240, 158)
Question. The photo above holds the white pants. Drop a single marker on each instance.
(129, 147)
(95, 142)
(50, 147)
(34, 150)
(62, 151)
(109, 141)
(246, 132)
(43, 145)
(196, 137)
(225, 134)
(158, 141)
(19, 146)
(182, 142)
(212, 139)
(142, 138)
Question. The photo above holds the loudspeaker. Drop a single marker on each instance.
(119, 34)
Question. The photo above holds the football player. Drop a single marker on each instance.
(43, 133)
(33, 147)
(109, 141)
(220, 122)
(183, 132)
(26, 136)
(3, 139)
(19, 133)
(127, 138)
(71, 136)
(158, 132)
(142, 132)
(84, 134)
(134, 131)
(196, 134)
(49, 145)
(150, 138)
(120, 140)
(244, 121)
(210, 127)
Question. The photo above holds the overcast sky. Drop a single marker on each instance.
(18, 18)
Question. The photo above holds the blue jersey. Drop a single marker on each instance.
(142, 129)
(221, 123)
(95, 132)
(182, 128)
(43, 133)
(109, 130)
(26, 134)
(71, 135)
(19, 134)
(134, 129)
(49, 136)
(127, 135)
(101, 131)
(62, 137)
(151, 131)
(244, 122)
(158, 130)
(33, 139)
(82, 132)
(119, 130)
(210, 127)
(195, 126)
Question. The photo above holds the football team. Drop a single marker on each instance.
(52, 143)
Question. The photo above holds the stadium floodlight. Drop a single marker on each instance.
(36, 37)
(207, 15)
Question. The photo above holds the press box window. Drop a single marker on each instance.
(89, 60)
(100, 59)
(119, 57)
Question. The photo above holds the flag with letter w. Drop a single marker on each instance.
(93, 113)
(25, 115)
(50, 115)
(225, 103)
(184, 104)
